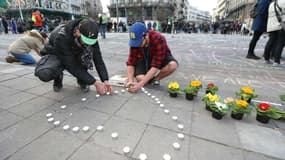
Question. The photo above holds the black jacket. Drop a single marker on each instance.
(62, 44)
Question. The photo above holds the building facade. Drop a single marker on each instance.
(196, 15)
(66, 8)
(221, 9)
(238, 10)
(157, 10)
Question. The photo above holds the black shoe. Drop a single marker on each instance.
(84, 87)
(154, 82)
(57, 83)
(252, 56)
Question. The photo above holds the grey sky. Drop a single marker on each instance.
(206, 5)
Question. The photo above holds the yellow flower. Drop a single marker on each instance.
(242, 103)
(173, 85)
(228, 100)
(247, 90)
(195, 83)
(213, 98)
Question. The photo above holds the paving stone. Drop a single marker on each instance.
(141, 112)
(129, 134)
(7, 119)
(41, 89)
(16, 137)
(18, 98)
(18, 83)
(204, 150)
(156, 142)
(5, 91)
(92, 151)
(52, 145)
(256, 156)
(28, 108)
(80, 117)
(159, 118)
(65, 92)
(5, 77)
(221, 131)
(107, 103)
(262, 140)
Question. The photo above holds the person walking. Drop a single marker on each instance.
(102, 24)
(259, 26)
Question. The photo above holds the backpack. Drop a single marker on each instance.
(280, 15)
(254, 11)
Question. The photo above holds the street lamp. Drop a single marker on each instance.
(19, 2)
(117, 14)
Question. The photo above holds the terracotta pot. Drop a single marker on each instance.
(262, 119)
(237, 116)
(189, 96)
(173, 94)
(217, 115)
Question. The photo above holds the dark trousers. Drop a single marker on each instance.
(280, 45)
(252, 44)
(270, 45)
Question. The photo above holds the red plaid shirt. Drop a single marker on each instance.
(158, 50)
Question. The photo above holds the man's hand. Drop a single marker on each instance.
(108, 87)
(100, 87)
(128, 84)
(135, 87)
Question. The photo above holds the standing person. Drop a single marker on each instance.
(75, 47)
(258, 26)
(102, 24)
(273, 28)
(280, 6)
(13, 26)
(5, 25)
(150, 59)
(37, 19)
(21, 48)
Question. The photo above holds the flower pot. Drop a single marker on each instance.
(217, 115)
(262, 119)
(208, 91)
(237, 116)
(208, 108)
(189, 96)
(173, 94)
(248, 101)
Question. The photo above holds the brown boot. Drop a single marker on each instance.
(10, 59)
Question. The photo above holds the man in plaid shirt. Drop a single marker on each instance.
(150, 59)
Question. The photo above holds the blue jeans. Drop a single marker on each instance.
(103, 30)
(25, 58)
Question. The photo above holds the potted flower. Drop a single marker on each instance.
(211, 88)
(239, 108)
(266, 112)
(192, 90)
(219, 110)
(247, 94)
(282, 98)
(173, 89)
(209, 100)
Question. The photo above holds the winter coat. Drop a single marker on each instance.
(38, 18)
(62, 44)
(260, 21)
(273, 24)
(31, 41)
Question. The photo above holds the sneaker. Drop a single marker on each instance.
(267, 62)
(57, 83)
(10, 59)
(154, 82)
(252, 56)
(278, 65)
